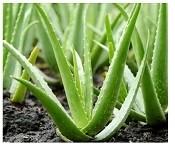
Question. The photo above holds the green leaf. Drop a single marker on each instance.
(111, 51)
(109, 32)
(77, 110)
(96, 51)
(8, 28)
(62, 120)
(123, 113)
(21, 22)
(110, 89)
(33, 73)
(20, 92)
(24, 36)
(151, 101)
(138, 105)
(79, 75)
(159, 67)
(87, 72)
(77, 29)
(45, 44)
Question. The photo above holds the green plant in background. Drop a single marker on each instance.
(74, 48)
(87, 120)
(16, 28)
(154, 82)
(20, 92)
(154, 88)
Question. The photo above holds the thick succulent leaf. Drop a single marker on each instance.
(21, 22)
(123, 113)
(92, 18)
(48, 79)
(133, 115)
(110, 89)
(33, 73)
(79, 75)
(77, 110)
(96, 51)
(94, 29)
(111, 51)
(138, 103)
(8, 27)
(64, 12)
(45, 44)
(111, 48)
(77, 29)
(25, 43)
(20, 92)
(159, 67)
(62, 120)
(151, 101)
(109, 31)
(88, 72)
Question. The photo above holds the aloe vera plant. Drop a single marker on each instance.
(87, 121)
(154, 82)
(17, 26)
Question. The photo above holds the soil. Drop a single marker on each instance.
(29, 122)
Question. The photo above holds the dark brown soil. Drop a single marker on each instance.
(30, 123)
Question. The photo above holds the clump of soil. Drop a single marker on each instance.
(29, 122)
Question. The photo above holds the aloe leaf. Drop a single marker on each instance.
(64, 12)
(46, 97)
(94, 29)
(87, 72)
(111, 46)
(8, 28)
(109, 92)
(151, 101)
(159, 67)
(48, 79)
(79, 75)
(138, 104)
(35, 76)
(133, 115)
(77, 29)
(109, 31)
(21, 22)
(92, 18)
(25, 34)
(123, 113)
(96, 51)
(100, 20)
(45, 44)
(20, 92)
(53, 18)
(77, 110)
(62, 120)
(111, 51)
